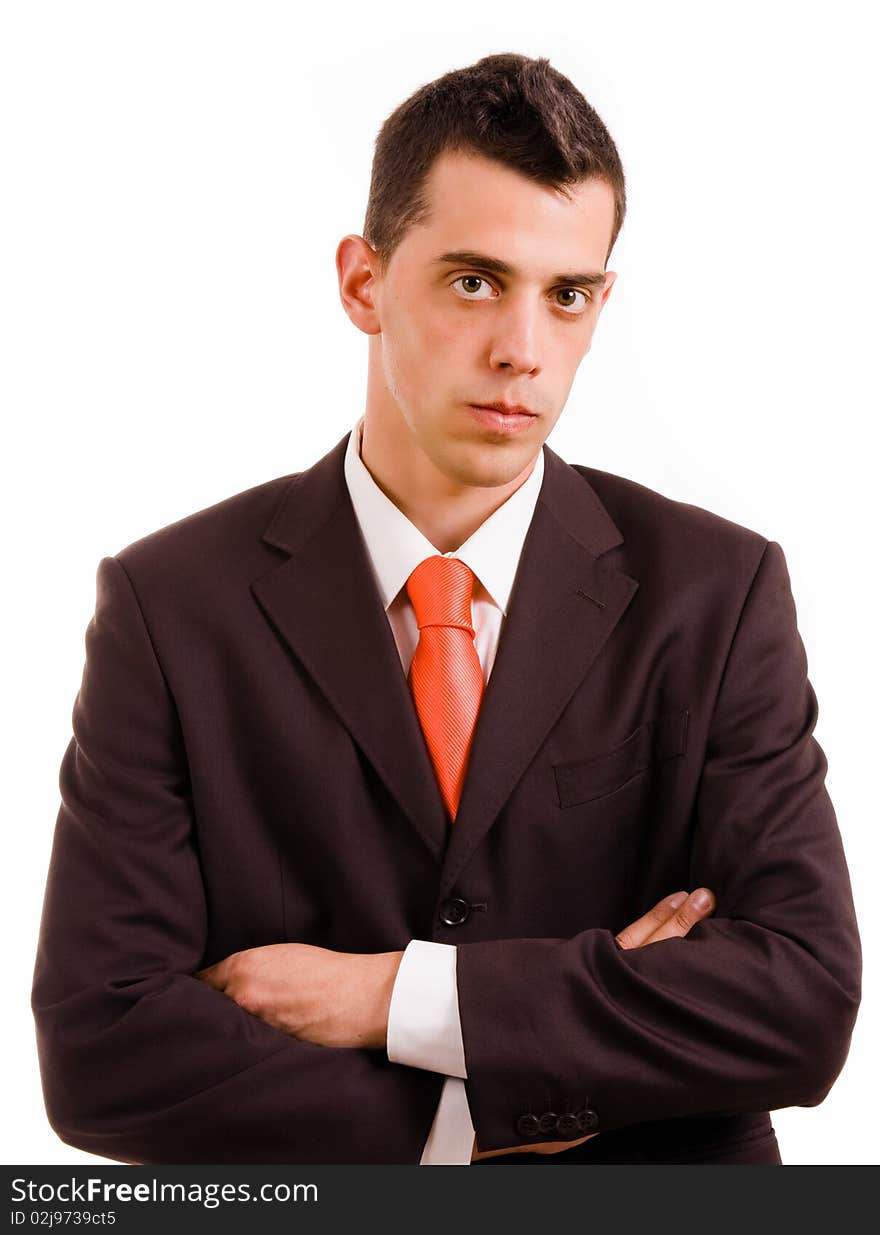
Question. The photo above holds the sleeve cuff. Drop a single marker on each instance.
(424, 1029)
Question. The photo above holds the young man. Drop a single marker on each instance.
(373, 765)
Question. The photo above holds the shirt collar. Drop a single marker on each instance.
(395, 546)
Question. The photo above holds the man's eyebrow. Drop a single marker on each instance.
(464, 257)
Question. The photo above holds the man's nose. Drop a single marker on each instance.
(514, 343)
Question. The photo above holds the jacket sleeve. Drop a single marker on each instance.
(753, 1010)
(140, 1061)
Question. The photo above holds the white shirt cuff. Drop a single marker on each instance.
(424, 1028)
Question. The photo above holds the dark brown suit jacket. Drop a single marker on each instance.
(247, 767)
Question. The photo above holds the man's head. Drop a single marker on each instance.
(505, 161)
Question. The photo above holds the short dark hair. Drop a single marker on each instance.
(512, 108)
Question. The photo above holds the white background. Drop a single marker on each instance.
(177, 176)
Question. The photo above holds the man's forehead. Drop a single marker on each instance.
(482, 206)
(486, 180)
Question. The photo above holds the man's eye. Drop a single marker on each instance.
(572, 304)
(471, 284)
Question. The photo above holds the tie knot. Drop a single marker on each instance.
(440, 589)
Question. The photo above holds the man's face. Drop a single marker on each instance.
(454, 331)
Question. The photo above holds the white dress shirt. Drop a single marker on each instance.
(424, 1029)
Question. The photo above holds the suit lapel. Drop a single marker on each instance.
(563, 608)
(322, 601)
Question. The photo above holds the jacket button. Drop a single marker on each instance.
(587, 1119)
(567, 1125)
(454, 911)
(527, 1125)
(547, 1122)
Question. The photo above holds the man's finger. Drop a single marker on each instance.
(640, 931)
(700, 904)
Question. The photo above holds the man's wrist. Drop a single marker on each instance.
(387, 964)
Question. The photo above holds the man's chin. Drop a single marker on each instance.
(489, 467)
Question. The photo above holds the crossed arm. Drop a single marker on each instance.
(342, 999)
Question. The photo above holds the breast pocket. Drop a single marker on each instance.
(654, 741)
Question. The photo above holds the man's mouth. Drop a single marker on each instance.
(506, 409)
(502, 418)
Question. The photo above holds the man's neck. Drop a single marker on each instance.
(446, 514)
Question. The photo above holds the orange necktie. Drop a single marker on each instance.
(445, 676)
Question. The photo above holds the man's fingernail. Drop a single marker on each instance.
(700, 899)
(678, 899)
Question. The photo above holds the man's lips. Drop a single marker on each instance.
(506, 409)
(502, 418)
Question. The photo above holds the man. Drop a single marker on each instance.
(384, 775)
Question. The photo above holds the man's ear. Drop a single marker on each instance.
(610, 276)
(357, 266)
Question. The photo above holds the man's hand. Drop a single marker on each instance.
(670, 918)
(330, 998)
